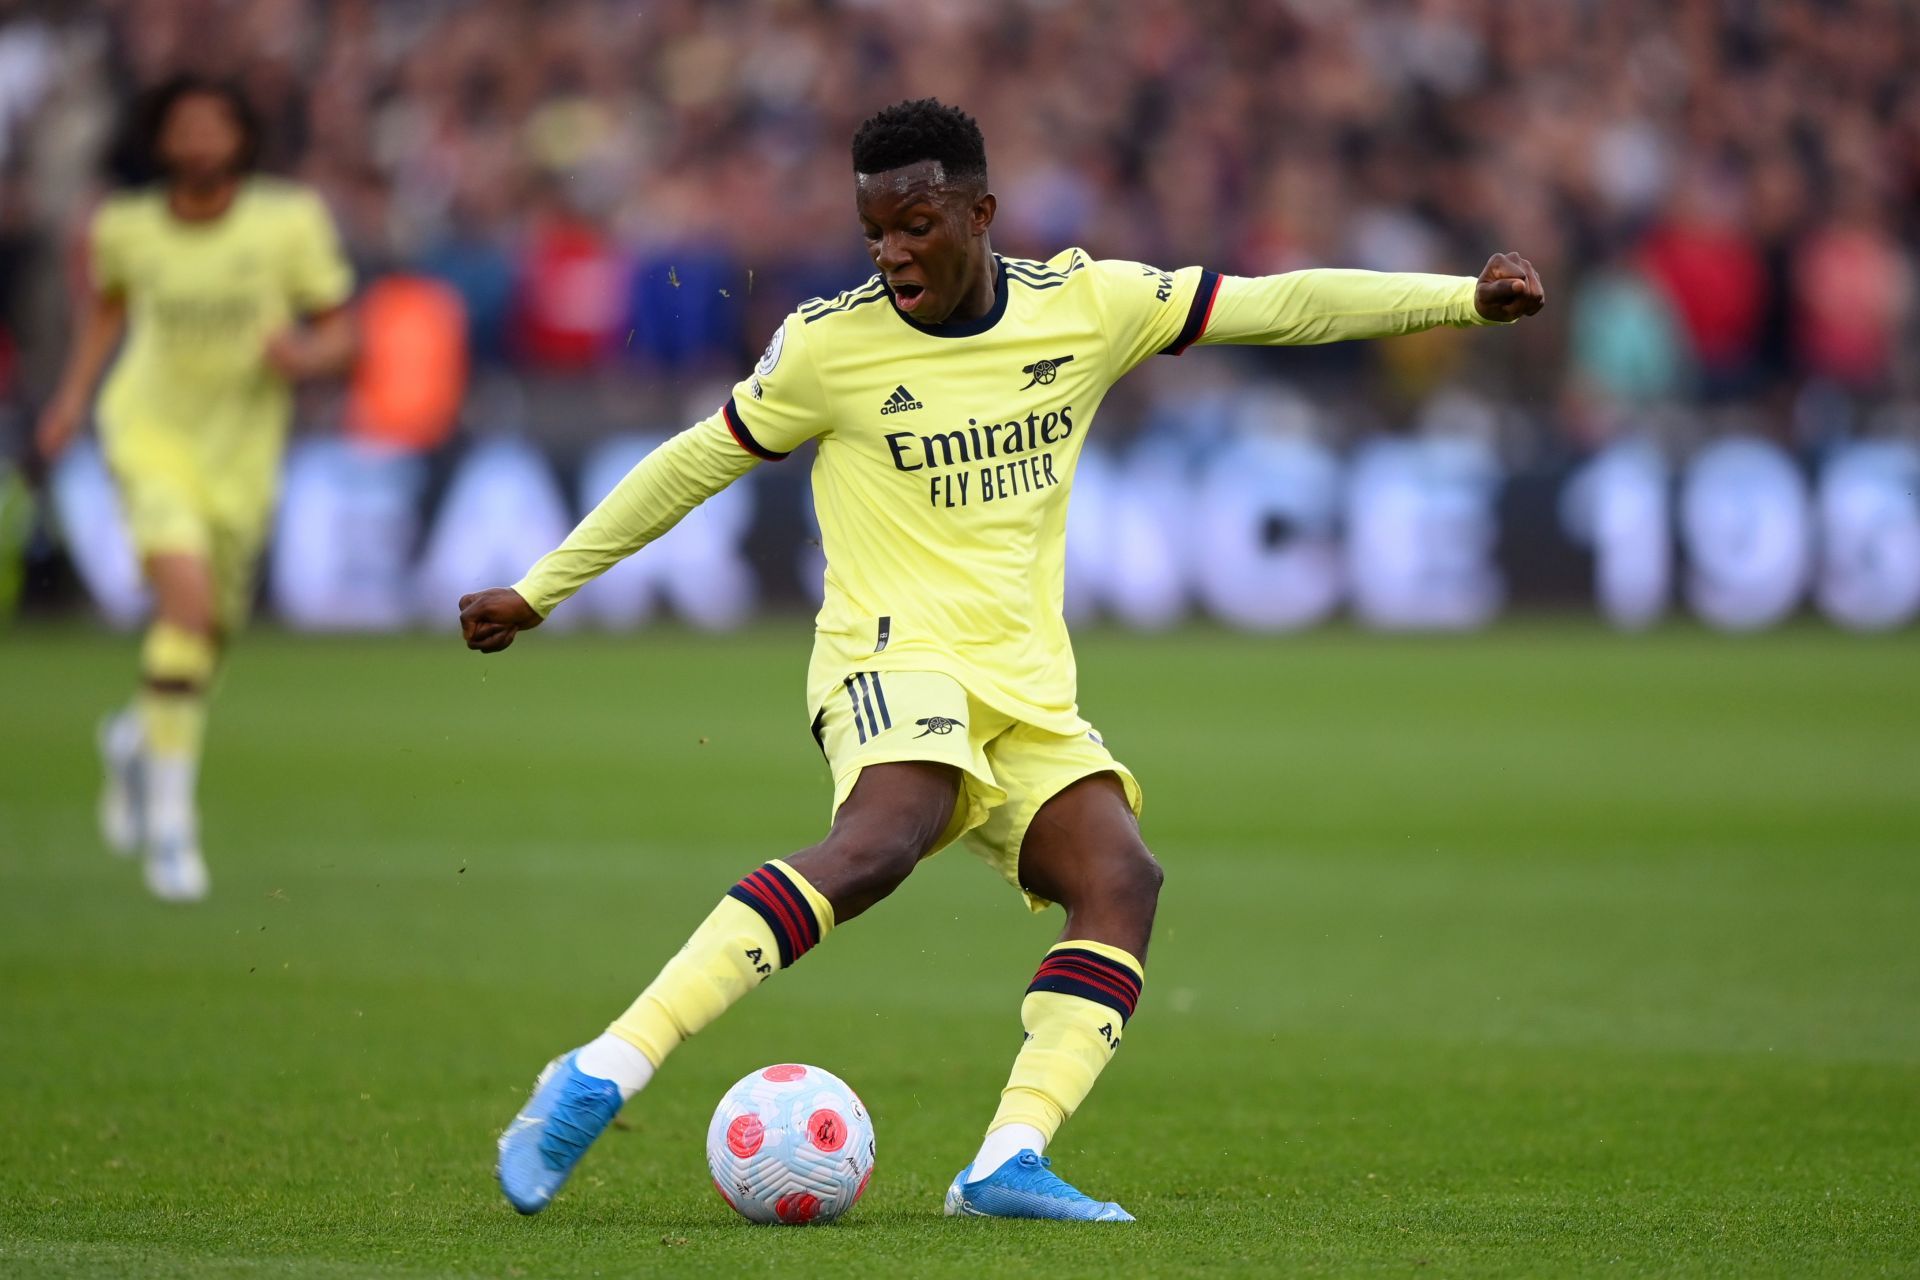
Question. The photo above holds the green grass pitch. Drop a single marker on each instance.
(1547, 952)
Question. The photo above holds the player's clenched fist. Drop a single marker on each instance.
(1509, 288)
(490, 619)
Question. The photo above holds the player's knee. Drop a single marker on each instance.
(856, 869)
(185, 593)
(894, 818)
(881, 862)
(1138, 877)
(1124, 883)
(187, 605)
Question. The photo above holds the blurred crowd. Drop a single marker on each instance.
(1723, 196)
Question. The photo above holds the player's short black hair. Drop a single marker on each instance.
(923, 129)
(137, 158)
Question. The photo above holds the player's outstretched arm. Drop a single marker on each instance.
(648, 501)
(770, 413)
(1304, 308)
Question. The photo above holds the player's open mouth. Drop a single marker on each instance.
(907, 295)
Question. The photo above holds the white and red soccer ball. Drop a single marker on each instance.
(791, 1144)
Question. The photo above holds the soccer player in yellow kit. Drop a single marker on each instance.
(950, 397)
(209, 276)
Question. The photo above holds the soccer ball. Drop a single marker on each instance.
(790, 1144)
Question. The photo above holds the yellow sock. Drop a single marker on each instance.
(1075, 1010)
(173, 721)
(764, 924)
(181, 663)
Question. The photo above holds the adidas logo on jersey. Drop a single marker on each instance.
(901, 401)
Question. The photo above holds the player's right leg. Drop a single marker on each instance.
(896, 814)
(177, 663)
(1069, 834)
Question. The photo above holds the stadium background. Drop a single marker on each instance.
(577, 223)
(1544, 951)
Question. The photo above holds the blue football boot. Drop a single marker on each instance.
(567, 1111)
(1027, 1187)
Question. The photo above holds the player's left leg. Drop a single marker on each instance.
(1082, 849)
(197, 529)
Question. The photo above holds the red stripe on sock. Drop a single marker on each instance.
(1097, 963)
(1106, 968)
(771, 899)
(1092, 979)
(791, 895)
(781, 911)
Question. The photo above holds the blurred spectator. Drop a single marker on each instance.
(570, 295)
(477, 263)
(1627, 344)
(681, 308)
(1710, 268)
(1852, 291)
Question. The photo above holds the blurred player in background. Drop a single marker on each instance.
(228, 289)
(950, 395)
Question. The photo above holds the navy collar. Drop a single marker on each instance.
(966, 328)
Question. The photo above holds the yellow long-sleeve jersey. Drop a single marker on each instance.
(946, 453)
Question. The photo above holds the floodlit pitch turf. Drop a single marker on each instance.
(1548, 952)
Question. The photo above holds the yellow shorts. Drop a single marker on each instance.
(1008, 768)
(175, 504)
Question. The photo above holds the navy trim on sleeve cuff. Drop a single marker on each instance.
(1197, 315)
(743, 436)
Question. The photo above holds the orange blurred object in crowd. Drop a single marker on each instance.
(412, 374)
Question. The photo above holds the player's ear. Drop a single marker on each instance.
(981, 215)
